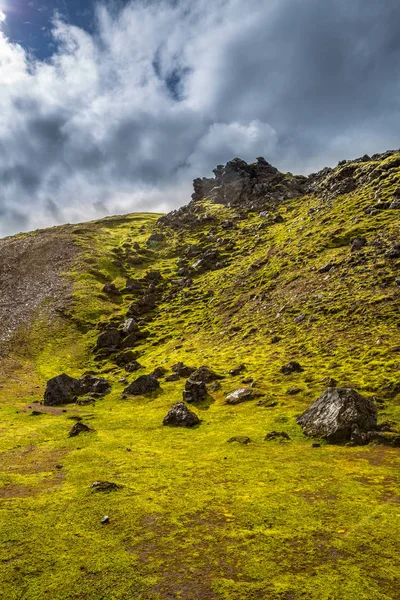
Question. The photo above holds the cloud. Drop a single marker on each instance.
(164, 90)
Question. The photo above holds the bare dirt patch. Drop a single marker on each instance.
(31, 268)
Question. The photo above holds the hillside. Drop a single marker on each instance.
(260, 270)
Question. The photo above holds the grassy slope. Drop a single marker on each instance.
(197, 517)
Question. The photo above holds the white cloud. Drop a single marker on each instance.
(164, 90)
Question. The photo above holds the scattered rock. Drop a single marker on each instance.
(237, 370)
(205, 374)
(385, 438)
(79, 428)
(239, 396)
(105, 486)
(173, 377)
(90, 384)
(195, 391)
(326, 268)
(300, 318)
(105, 520)
(293, 391)
(214, 386)
(111, 289)
(109, 340)
(247, 381)
(158, 372)
(292, 367)
(130, 326)
(86, 401)
(393, 252)
(145, 384)
(241, 439)
(181, 416)
(61, 390)
(275, 339)
(155, 238)
(183, 370)
(315, 445)
(338, 414)
(358, 243)
(124, 358)
(277, 435)
(133, 366)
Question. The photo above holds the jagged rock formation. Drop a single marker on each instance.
(340, 415)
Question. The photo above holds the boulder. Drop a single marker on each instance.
(181, 416)
(158, 372)
(133, 366)
(90, 384)
(292, 367)
(358, 243)
(61, 389)
(109, 339)
(130, 326)
(79, 428)
(205, 374)
(237, 370)
(239, 396)
(183, 370)
(145, 384)
(338, 414)
(195, 391)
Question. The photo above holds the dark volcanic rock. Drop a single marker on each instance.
(239, 396)
(276, 435)
(61, 389)
(105, 486)
(241, 439)
(109, 339)
(173, 377)
(183, 370)
(130, 326)
(110, 288)
(142, 385)
(237, 370)
(394, 252)
(79, 428)
(94, 385)
(195, 391)
(158, 372)
(205, 374)
(292, 367)
(337, 414)
(358, 243)
(124, 358)
(155, 238)
(181, 416)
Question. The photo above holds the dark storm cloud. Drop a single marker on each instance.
(162, 91)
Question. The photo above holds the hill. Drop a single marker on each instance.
(261, 270)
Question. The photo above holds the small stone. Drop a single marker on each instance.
(241, 439)
(293, 391)
(277, 435)
(326, 268)
(79, 428)
(173, 377)
(358, 243)
(315, 445)
(275, 339)
(105, 486)
(105, 520)
(238, 396)
(292, 367)
(237, 370)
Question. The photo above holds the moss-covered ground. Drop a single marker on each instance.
(198, 517)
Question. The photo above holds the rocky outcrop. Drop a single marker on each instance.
(195, 391)
(339, 415)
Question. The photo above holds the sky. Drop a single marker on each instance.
(114, 107)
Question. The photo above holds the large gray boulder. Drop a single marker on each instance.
(61, 390)
(339, 415)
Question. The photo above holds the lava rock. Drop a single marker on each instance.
(326, 268)
(292, 367)
(338, 414)
(276, 435)
(275, 339)
(109, 340)
(155, 238)
(358, 243)
(237, 370)
(158, 372)
(94, 385)
(145, 384)
(110, 288)
(205, 375)
(105, 486)
(181, 416)
(195, 391)
(124, 358)
(173, 377)
(130, 326)
(79, 428)
(183, 370)
(133, 366)
(61, 390)
(393, 252)
(241, 439)
(239, 396)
